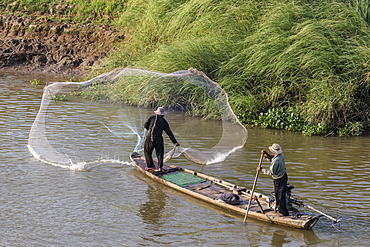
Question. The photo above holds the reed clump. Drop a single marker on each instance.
(271, 56)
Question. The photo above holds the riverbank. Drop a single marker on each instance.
(41, 44)
(270, 58)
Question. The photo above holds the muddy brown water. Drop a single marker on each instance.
(115, 205)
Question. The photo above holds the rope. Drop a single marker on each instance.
(173, 151)
(168, 157)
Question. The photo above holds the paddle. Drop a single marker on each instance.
(254, 186)
(301, 204)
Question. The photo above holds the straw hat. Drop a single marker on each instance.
(160, 111)
(276, 149)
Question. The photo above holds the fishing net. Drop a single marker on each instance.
(48, 144)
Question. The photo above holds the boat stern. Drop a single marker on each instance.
(309, 224)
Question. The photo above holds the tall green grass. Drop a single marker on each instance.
(172, 35)
(298, 49)
(312, 55)
(362, 7)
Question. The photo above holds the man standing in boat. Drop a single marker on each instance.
(155, 125)
(278, 172)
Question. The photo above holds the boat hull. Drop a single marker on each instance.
(209, 189)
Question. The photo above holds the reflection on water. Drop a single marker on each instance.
(151, 211)
(279, 238)
(109, 206)
(283, 238)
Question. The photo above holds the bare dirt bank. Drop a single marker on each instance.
(39, 44)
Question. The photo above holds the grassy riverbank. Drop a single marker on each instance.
(297, 65)
(79, 11)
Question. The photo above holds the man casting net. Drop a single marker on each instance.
(86, 113)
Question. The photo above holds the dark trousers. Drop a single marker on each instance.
(149, 146)
(280, 194)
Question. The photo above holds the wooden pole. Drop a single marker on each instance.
(253, 188)
(327, 216)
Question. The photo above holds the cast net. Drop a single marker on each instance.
(58, 134)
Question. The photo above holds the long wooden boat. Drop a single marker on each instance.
(224, 195)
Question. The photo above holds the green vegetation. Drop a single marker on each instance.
(35, 82)
(80, 11)
(152, 92)
(61, 97)
(300, 65)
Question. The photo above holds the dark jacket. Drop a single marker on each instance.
(160, 125)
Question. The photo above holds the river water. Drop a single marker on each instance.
(115, 205)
